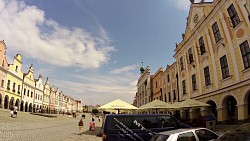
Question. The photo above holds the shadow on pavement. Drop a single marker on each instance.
(88, 132)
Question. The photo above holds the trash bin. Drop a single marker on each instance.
(210, 122)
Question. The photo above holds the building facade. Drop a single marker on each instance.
(3, 72)
(13, 84)
(38, 99)
(213, 58)
(57, 100)
(46, 97)
(52, 99)
(28, 90)
(157, 84)
(143, 88)
(170, 88)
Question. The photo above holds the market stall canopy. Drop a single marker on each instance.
(189, 103)
(156, 104)
(118, 105)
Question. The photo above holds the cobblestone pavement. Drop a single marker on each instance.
(27, 127)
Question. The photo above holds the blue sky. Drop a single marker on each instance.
(92, 49)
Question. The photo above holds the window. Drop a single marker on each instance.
(18, 89)
(133, 122)
(36, 96)
(233, 15)
(28, 93)
(190, 56)
(2, 84)
(167, 121)
(189, 136)
(168, 77)
(156, 84)
(16, 68)
(169, 97)
(194, 82)
(202, 45)
(224, 67)
(165, 97)
(184, 87)
(24, 91)
(205, 135)
(181, 63)
(174, 94)
(245, 52)
(207, 76)
(8, 85)
(216, 32)
(3, 63)
(14, 85)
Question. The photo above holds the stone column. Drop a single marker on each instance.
(242, 112)
(221, 114)
(183, 114)
(192, 113)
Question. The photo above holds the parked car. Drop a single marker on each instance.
(127, 127)
(191, 134)
(241, 133)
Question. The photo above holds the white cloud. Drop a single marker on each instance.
(25, 29)
(184, 4)
(100, 88)
(124, 69)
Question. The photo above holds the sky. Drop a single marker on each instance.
(92, 50)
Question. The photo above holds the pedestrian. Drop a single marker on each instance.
(80, 124)
(11, 111)
(15, 111)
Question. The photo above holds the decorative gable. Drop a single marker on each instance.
(196, 15)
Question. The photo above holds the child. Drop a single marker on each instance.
(80, 124)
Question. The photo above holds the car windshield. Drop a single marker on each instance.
(205, 135)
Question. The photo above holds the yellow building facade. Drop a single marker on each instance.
(13, 83)
(213, 59)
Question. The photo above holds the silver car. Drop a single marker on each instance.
(188, 134)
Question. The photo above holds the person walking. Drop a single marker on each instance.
(11, 111)
(15, 111)
(80, 124)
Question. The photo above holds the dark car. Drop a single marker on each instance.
(241, 133)
(141, 127)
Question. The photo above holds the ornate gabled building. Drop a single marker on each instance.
(3, 72)
(46, 97)
(52, 99)
(13, 84)
(213, 59)
(38, 99)
(57, 100)
(28, 90)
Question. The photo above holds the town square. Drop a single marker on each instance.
(124, 70)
